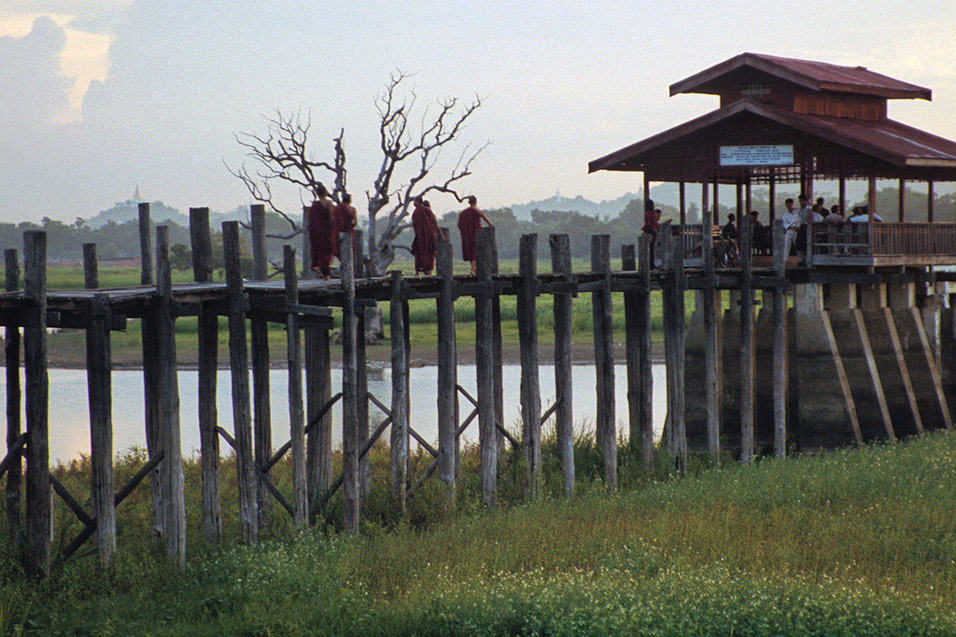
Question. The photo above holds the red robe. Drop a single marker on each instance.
(468, 223)
(424, 244)
(344, 216)
(323, 235)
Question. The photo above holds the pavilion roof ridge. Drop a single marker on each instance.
(809, 74)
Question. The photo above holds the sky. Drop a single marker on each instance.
(102, 96)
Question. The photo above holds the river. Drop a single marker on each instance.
(69, 411)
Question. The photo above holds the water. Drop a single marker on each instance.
(69, 410)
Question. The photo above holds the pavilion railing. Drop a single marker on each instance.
(885, 239)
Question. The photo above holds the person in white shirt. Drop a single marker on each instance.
(861, 214)
(791, 226)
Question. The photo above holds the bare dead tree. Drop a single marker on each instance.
(408, 159)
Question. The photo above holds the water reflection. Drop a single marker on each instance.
(69, 411)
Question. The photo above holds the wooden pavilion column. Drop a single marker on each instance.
(930, 202)
(208, 363)
(902, 205)
(772, 195)
(842, 195)
(14, 486)
(683, 203)
(716, 202)
(38, 504)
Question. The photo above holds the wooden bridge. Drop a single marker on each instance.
(304, 305)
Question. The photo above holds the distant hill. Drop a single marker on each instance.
(602, 210)
(124, 211)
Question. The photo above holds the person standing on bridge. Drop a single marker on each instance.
(652, 219)
(323, 233)
(469, 221)
(346, 220)
(426, 229)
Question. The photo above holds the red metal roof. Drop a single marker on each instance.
(817, 76)
(887, 140)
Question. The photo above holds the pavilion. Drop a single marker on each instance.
(784, 120)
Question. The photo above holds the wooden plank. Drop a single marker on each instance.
(447, 372)
(38, 508)
(14, 485)
(485, 371)
(904, 370)
(259, 333)
(842, 377)
(874, 374)
(300, 492)
(605, 424)
(350, 442)
(208, 363)
(746, 339)
(399, 413)
(528, 344)
(238, 365)
(171, 469)
(780, 365)
(98, 370)
(563, 417)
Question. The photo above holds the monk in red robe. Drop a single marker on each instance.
(468, 223)
(323, 233)
(425, 244)
(346, 220)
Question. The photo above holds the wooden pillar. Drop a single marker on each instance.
(563, 388)
(871, 204)
(496, 352)
(605, 424)
(779, 344)
(632, 339)
(172, 465)
(318, 383)
(14, 484)
(528, 343)
(259, 333)
(300, 493)
(350, 443)
(902, 207)
(645, 364)
(307, 271)
(746, 342)
(842, 201)
(98, 370)
(704, 202)
(716, 202)
(484, 368)
(683, 203)
(150, 371)
(709, 309)
(447, 371)
(399, 441)
(208, 363)
(674, 345)
(930, 202)
(772, 195)
(38, 505)
(238, 364)
(361, 374)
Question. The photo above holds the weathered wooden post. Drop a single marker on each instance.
(746, 340)
(150, 344)
(485, 368)
(318, 392)
(605, 426)
(779, 343)
(361, 369)
(496, 348)
(399, 433)
(38, 503)
(528, 343)
(172, 465)
(352, 505)
(307, 271)
(673, 289)
(300, 493)
(208, 362)
(238, 364)
(632, 352)
(259, 333)
(563, 388)
(98, 370)
(447, 371)
(12, 350)
(643, 326)
(710, 302)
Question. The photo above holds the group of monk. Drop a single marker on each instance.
(326, 220)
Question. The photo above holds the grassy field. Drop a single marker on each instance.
(67, 346)
(855, 542)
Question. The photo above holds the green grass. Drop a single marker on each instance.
(856, 542)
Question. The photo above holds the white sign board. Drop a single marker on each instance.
(768, 155)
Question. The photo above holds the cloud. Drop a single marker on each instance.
(35, 91)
